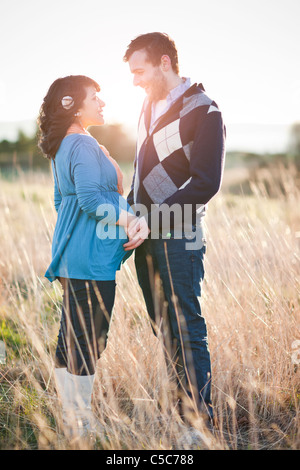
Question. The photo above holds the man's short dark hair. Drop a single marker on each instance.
(156, 45)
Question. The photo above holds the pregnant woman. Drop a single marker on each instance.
(87, 247)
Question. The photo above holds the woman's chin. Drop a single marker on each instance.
(100, 121)
(97, 122)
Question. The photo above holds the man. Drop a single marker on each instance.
(179, 165)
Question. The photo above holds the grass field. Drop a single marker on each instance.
(250, 299)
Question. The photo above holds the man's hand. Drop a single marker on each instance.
(137, 232)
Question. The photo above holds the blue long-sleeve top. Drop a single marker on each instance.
(87, 243)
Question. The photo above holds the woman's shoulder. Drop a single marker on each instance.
(73, 141)
(78, 147)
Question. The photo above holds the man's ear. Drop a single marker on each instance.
(165, 63)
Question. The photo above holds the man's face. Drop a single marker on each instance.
(148, 76)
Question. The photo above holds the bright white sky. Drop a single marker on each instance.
(245, 52)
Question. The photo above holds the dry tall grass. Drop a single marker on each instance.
(250, 298)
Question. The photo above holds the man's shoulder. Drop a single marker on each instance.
(196, 99)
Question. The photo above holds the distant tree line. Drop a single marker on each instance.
(24, 151)
(294, 144)
(290, 155)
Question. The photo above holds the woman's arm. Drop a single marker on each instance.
(57, 195)
(86, 174)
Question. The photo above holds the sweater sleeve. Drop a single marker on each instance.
(57, 198)
(57, 195)
(86, 172)
(130, 198)
(206, 165)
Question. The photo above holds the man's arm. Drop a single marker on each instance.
(86, 174)
(130, 198)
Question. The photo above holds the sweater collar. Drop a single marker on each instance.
(195, 88)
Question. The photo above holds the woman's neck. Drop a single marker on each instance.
(76, 128)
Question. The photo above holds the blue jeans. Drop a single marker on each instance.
(86, 311)
(166, 267)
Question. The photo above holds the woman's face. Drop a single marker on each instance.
(91, 109)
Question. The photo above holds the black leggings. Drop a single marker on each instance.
(86, 312)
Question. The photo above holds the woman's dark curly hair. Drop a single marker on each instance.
(54, 119)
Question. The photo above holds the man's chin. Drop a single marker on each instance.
(154, 96)
(149, 94)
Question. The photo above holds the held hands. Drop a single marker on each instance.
(136, 228)
(137, 231)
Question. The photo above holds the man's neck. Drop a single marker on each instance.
(174, 82)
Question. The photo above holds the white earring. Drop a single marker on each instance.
(77, 114)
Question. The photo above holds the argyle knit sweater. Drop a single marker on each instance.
(181, 161)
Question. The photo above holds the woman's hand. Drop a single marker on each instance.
(137, 231)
